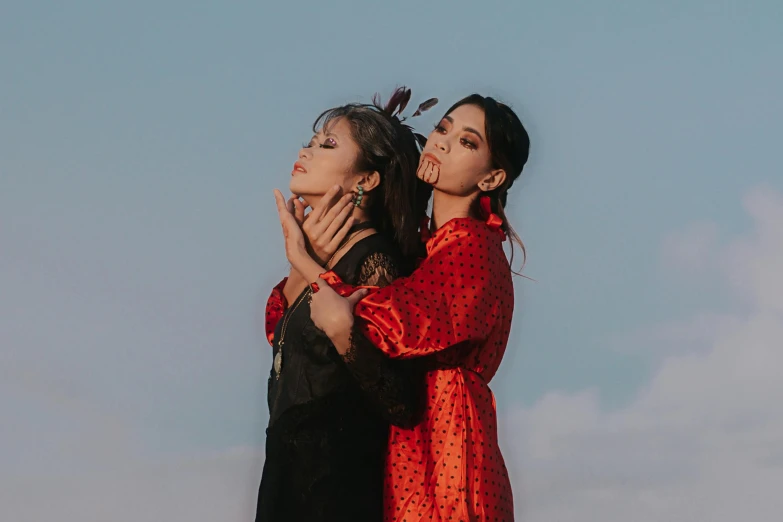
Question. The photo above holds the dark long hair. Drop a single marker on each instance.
(388, 146)
(509, 147)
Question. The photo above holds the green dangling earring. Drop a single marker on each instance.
(360, 196)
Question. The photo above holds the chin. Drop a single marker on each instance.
(304, 190)
(297, 185)
(429, 181)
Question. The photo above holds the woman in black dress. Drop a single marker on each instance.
(329, 417)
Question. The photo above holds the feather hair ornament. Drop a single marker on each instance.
(397, 104)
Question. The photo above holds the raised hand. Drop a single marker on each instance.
(333, 314)
(295, 245)
(327, 225)
(296, 207)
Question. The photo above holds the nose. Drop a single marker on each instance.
(442, 143)
(303, 153)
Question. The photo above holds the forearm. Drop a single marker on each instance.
(306, 267)
(294, 285)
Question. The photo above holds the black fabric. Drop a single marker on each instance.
(391, 385)
(329, 417)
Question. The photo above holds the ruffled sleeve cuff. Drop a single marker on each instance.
(344, 289)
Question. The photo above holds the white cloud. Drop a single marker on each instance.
(753, 263)
(704, 439)
(677, 337)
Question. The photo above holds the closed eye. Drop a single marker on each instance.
(328, 144)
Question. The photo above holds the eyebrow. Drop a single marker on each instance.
(326, 132)
(466, 129)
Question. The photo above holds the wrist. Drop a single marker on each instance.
(340, 326)
(299, 253)
(300, 259)
(315, 257)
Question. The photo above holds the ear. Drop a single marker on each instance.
(370, 181)
(492, 180)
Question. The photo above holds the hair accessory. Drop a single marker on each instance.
(397, 103)
(493, 220)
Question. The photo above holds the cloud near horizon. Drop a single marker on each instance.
(703, 439)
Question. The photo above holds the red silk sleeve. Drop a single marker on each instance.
(344, 289)
(276, 306)
(455, 296)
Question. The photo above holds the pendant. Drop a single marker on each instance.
(278, 362)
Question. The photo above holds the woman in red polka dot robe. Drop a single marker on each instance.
(455, 310)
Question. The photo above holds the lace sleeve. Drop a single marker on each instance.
(392, 386)
(378, 269)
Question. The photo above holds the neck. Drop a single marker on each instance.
(446, 207)
(359, 215)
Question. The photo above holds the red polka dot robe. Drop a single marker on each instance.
(456, 308)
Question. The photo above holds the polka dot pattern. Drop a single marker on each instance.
(275, 309)
(456, 307)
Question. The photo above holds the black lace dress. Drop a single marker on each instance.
(329, 415)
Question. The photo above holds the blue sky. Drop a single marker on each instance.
(140, 143)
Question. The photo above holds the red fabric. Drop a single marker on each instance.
(456, 306)
(493, 220)
(341, 288)
(331, 278)
(276, 306)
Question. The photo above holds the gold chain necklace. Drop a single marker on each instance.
(278, 363)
